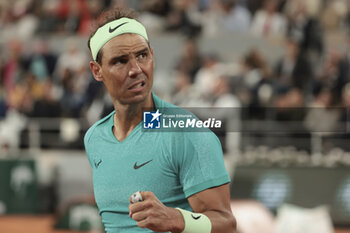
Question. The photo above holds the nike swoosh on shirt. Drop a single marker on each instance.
(115, 28)
(97, 164)
(141, 165)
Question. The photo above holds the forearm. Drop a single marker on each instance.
(221, 221)
(211, 213)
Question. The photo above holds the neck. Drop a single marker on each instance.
(127, 117)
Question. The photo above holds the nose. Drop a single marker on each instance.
(135, 69)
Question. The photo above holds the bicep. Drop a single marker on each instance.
(212, 199)
(215, 204)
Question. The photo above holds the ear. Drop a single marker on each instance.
(96, 70)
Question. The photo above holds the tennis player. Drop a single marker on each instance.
(181, 175)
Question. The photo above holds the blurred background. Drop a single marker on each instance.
(282, 65)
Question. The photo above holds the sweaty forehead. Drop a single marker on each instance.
(124, 44)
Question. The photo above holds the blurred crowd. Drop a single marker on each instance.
(38, 81)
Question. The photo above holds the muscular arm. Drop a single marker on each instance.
(215, 204)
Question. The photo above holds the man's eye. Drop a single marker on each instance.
(142, 55)
(120, 61)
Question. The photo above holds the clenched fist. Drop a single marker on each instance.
(151, 213)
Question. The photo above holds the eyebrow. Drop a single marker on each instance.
(142, 51)
(124, 56)
(114, 59)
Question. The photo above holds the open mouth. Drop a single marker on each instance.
(137, 85)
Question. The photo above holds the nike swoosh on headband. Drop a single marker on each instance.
(115, 28)
(112, 29)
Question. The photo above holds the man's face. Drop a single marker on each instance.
(127, 68)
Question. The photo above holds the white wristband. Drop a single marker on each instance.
(195, 222)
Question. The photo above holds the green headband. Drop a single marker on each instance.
(113, 29)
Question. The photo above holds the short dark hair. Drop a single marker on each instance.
(109, 16)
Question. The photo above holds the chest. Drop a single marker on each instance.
(120, 170)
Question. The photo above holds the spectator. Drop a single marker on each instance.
(183, 88)
(71, 21)
(334, 14)
(72, 100)
(13, 65)
(223, 94)
(179, 18)
(26, 22)
(306, 29)
(71, 59)
(344, 68)
(328, 74)
(47, 105)
(256, 79)
(228, 107)
(293, 69)
(79, 17)
(236, 18)
(255, 69)
(42, 62)
(24, 94)
(290, 98)
(157, 7)
(225, 16)
(253, 6)
(154, 14)
(207, 77)
(48, 17)
(190, 60)
(18, 20)
(268, 21)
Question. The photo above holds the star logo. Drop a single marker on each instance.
(152, 120)
(156, 115)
